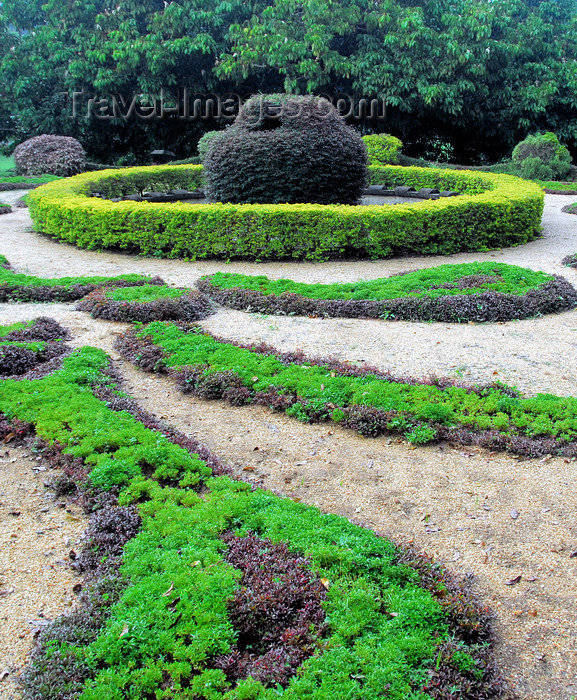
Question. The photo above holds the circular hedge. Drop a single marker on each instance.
(286, 149)
(493, 211)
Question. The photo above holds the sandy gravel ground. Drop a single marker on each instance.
(37, 533)
(489, 514)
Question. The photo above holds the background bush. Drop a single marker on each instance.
(541, 157)
(383, 149)
(287, 149)
(48, 154)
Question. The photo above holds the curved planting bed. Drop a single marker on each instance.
(449, 293)
(16, 286)
(27, 347)
(493, 211)
(146, 303)
(362, 398)
(199, 586)
(570, 260)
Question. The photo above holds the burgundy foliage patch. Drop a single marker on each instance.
(276, 612)
(189, 307)
(42, 328)
(570, 260)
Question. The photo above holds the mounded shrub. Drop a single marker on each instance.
(205, 142)
(383, 149)
(286, 149)
(50, 154)
(541, 157)
(493, 211)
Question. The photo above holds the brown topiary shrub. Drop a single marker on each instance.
(50, 154)
(286, 149)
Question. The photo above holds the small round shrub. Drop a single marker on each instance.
(205, 142)
(541, 157)
(383, 149)
(287, 149)
(49, 154)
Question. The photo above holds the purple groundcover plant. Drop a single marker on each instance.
(277, 611)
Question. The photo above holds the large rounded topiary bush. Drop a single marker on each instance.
(49, 154)
(287, 149)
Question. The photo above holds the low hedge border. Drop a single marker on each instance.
(361, 398)
(15, 286)
(146, 303)
(493, 211)
(161, 603)
(478, 304)
(5, 208)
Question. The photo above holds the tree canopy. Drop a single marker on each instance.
(481, 74)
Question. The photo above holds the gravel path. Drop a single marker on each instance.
(457, 504)
(37, 533)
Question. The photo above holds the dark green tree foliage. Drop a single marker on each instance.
(480, 73)
(287, 149)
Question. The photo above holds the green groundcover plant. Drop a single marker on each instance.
(449, 293)
(365, 399)
(431, 282)
(28, 179)
(190, 596)
(15, 286)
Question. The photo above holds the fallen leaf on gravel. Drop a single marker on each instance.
(6, 592)
(573, 554)
(539, 657)
(533, 613)
(531, 578)
(4, 675)
(514, 514)
(9, 437)
(248, 469)
(513, 581)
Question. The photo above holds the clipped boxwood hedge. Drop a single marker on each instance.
(493, 211)
(191, 574)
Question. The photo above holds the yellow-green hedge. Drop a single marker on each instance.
(493, 211)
